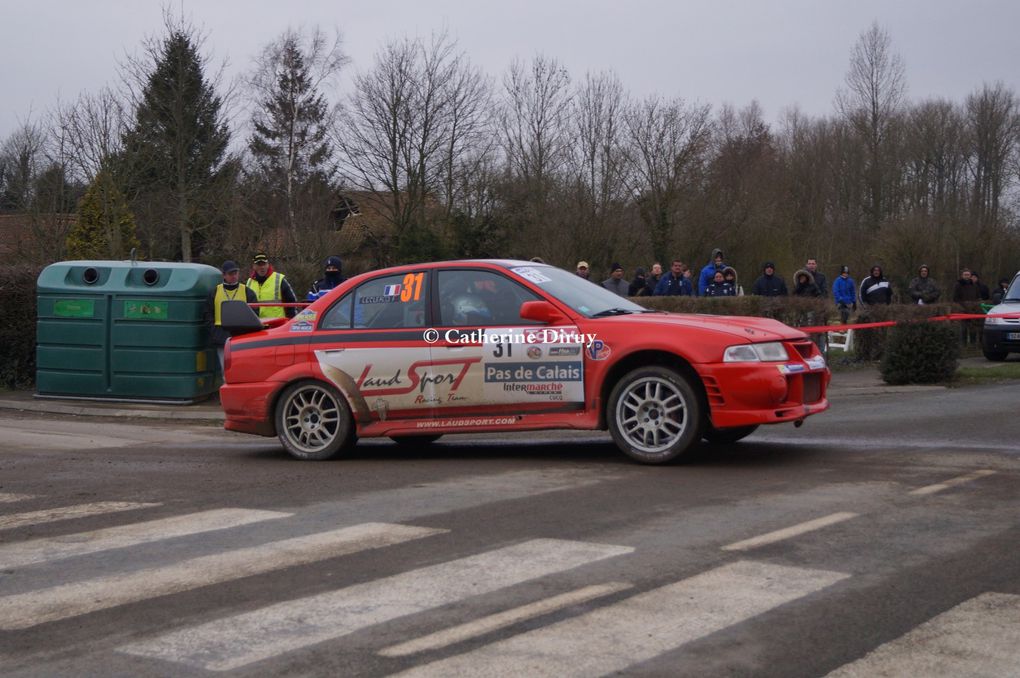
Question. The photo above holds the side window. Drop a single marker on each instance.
(392, 302)
(338, 317)
(481, 298)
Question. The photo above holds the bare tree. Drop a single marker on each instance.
(92, 130)
(598, 167)
(404, 132)
(533, 118)
(875, 88)
(21, 159)
(993, 118)
(667, 140)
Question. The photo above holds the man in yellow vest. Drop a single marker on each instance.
(270, 286)
(228, 290)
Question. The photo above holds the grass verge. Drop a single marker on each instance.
(984, 375)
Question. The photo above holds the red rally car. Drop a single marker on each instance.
(495, 346)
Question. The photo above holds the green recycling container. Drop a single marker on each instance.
(121, 330)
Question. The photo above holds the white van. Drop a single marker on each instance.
(1001, 336)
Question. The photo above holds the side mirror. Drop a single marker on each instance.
(237, 317)
(543, 312)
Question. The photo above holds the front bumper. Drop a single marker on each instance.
(743, 394)
(997, 339)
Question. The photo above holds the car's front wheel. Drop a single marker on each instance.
(995, 356)
(313, 421)
(654, 414)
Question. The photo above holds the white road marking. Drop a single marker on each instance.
(952, 482)
(787, 532)
(67, 513)
(67, 546)
(478, 627)
(247, 638)
(9, 498)
(25, 610)
(976, 638)
(639, 628)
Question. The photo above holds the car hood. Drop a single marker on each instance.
(746, 328)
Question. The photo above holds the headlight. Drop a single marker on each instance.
(995, 321)
(744, 353)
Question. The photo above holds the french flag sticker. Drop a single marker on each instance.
(391, 290)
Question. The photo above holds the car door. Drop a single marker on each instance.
(513, 365)
(371, 344)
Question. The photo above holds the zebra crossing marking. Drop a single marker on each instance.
(493, 622)
(787, 532)
(244, 639)
(66, 546)
(637, 629)
(24, 610)
(10, 497)
(952, 482)
(68, 512)
(978, 637)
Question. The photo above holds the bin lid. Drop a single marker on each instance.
(148, 278)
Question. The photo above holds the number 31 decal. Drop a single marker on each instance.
(411, 289)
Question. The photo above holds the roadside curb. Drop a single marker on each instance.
(174, 412)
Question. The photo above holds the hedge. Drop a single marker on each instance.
(920, 353)
(17, 331)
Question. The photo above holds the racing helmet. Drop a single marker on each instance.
(469, 308)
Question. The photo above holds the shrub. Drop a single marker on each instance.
(17, 332)
(920, 353)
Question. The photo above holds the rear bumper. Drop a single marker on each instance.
(247, 407)
(742, 394)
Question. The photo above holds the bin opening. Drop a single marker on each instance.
(150, 277)
(90, 276)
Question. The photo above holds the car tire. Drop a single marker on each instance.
(413, 441)
(313, 421)
(995, 356)
(654, 415)
(727, 435)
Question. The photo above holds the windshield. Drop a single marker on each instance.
(1013, 293)
(585, 297)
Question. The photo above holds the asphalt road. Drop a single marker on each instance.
(879, 537)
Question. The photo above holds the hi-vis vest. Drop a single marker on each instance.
(268, 292)
(223, 294)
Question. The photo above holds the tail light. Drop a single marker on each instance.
(226, 359)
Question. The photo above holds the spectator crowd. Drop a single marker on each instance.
(718, 279)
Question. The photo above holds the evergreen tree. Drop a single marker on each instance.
(291, 153)
(175, 149)
(106, 227)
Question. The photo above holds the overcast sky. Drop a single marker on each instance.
(780, 52)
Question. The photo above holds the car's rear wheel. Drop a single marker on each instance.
(411, 441)
(995, 356)
(313, 421)
(654, 415)
(727, 435)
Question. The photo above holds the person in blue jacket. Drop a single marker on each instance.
(674, 283)
(844, 293)
(708, 273)
(334, 276)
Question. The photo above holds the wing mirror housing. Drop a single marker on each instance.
(237, 317)
(543, 312)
